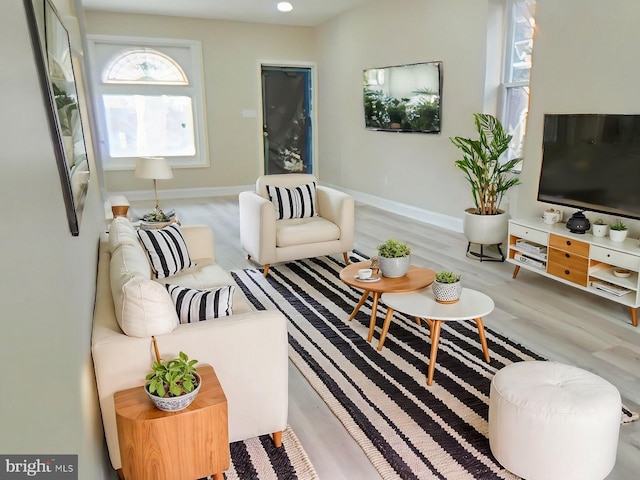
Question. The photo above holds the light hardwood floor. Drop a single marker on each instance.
(557, 321)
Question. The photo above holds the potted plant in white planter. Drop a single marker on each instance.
(173, 384)
(599, 228)
(489, 178)
(394, 258)
(618, 231)
(446, 287)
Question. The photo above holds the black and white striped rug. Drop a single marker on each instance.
(258, 459)
(407, 430)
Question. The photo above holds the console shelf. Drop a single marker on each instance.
(580, 260)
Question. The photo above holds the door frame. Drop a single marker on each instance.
(313, 103)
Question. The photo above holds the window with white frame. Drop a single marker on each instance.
(517, 71)
(149, 100)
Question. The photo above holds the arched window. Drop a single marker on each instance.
(144, 66)
(149, 100)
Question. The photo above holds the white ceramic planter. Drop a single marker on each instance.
(599, 230)
(485, 229)
(618, 235)
(394, 267)
(446, 292)
(174, 404)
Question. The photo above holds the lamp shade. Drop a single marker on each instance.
(155, 168)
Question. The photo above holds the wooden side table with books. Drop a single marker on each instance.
(185, 445)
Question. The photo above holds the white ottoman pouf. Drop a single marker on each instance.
(553, 421)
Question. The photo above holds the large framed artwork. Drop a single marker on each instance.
(53, 56)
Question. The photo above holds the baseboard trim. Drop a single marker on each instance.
(426, 216)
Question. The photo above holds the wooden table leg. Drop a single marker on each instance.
(374, 311)
(515, 271)
(418, 321)
(483, 339)
(365, 295)
(385, 327)
(435, 338)
(634, 316)
(218, 476)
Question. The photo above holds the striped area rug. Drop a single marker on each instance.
(257, 458)
(407, 430)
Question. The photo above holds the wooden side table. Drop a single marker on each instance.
(185, 445)
(415, 279)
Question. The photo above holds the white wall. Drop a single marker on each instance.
(48, 404)
(231, 52)
(415, 169)
(584, 61)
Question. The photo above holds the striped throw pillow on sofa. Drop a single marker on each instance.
(166, 249)
(299, 202)
(199, 305)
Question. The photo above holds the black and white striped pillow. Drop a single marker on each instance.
(199, 305)
(166, 249)
(299, 202)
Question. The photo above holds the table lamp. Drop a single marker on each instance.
(154, 168)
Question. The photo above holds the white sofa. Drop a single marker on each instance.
(248, 349)
(268, 240)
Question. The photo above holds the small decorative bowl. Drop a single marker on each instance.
(621, 272)
(174, 404)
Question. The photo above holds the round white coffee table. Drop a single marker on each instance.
(472, 305)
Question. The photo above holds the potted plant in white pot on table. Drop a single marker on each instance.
(173, 384)
(599, 228)
(489, 176)
(394, 258)
(446, 287)
(618, 231)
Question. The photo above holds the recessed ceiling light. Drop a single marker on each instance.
(285, 6)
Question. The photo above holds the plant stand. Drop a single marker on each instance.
(482, 256)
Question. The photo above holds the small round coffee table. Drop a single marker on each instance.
(415, 279)
(472, 305)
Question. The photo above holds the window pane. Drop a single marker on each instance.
(523, 23)
(517, 107)
(145, 66)
(143, 126)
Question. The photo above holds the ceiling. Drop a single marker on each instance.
(305, 12)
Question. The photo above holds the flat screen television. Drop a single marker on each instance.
(592, 162)
(403, 98)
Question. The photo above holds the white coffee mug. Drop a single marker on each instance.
(551, 216)
(365, 273)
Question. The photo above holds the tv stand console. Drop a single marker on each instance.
(594, 264)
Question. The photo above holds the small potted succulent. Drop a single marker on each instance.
(394, 258)
(618, 231)
(173, 384)
(446, 287)
(599, 228)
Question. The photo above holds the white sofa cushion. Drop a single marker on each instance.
(166, 249)
(300, 231)
(298, 202)
(199, 305)
(142, 306)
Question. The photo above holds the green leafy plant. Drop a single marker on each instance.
(445, 276)
(618, 225)
(599, 221)
(65, 105)
(173, 378)
(488, 177)
(156, 216)
(393, 249)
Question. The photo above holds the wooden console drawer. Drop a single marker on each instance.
(569, 245)
(568, 266)
(527, 233)
(617, 259)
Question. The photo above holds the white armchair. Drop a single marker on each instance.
(268, 240)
